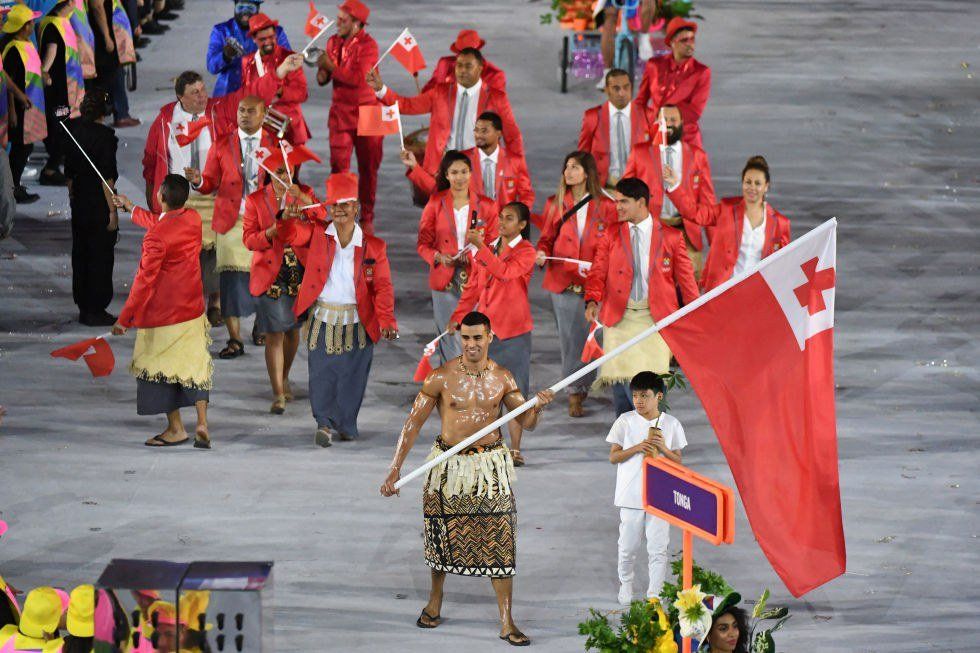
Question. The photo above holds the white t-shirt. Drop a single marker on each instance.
(750, 249)
(340, 287)
(629, 430)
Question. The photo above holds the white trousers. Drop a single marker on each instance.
(632, 524)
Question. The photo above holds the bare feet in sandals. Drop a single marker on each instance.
(202, 439)
(515, 637)
(168, 439)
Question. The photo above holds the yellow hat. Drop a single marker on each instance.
(193, 604)
(18, 16)
(42, 612)
(81, 611)
(164, 611)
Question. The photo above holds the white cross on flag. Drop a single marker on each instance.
(759, 352)
(406, 49)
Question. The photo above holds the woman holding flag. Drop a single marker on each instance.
(64, 85)
(572, 231)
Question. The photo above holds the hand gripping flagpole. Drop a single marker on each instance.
(643, 335)
(70, 135)
(316, 38)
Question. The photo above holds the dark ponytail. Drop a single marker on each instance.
(757, 162)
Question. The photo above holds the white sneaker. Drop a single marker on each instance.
(625, 593)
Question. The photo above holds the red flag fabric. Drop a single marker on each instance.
(188, 132)
(423, 369)
(298, 154)
(315, 22)
(408, 53)
(592, 350)
(758, 350)
(97, 352)
(378, 120)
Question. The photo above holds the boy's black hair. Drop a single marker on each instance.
(174, 191)
(647, 381)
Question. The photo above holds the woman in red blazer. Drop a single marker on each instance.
(451, 211)
(347, 282)
(573, 229)
(277, 271)
(498, 288)
(743, 230)
(171, 362)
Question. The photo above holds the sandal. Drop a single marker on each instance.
(161, 442)
(433, 621)
(518, 458)
(214, 316)
(202, 440)
(233, 349)
(516, 638)
(278, 405)
(258, 339)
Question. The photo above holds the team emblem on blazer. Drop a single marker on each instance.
(510, 183)
(369, 268)
(601, 227)
(665, 264)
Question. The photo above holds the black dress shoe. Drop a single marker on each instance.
(154, 28)
(175, 5)
(141, 42)
(52, 178)
(96, 318)
(23, 197)
(166, 15)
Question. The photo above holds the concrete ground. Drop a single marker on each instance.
(865, 110)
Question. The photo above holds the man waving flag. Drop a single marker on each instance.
(408, 53)
(759, 351)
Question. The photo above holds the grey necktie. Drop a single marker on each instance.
(636, 290)
(622, 148)
(489, 179)
(249, 165)
(195, 148)
(669, 210)
(461, 119)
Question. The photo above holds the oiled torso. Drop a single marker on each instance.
(468, 402)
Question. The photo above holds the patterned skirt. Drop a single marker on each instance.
(470, 512)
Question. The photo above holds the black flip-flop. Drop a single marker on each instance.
(201, 443)
(163, 442)
(258, 339)
(421, 624)
(233, 349)
(514, 639)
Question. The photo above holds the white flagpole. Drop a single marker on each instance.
(273, 175)
(584, 264)
(393, 44)
(315, 38)
(401, 134)
(646, 333)
(285, 161)
(70, 135)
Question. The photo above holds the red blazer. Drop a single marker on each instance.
(223, 112)
(440, 101)
(499, 287)
(223, 172)
(437, 232)
(611, 275)
(594, 136)
(561, 239)
(372, 275)
(354, 56)
(724, 222)
(291, 95)
(645, 164)
(167, 288)
(513, 180)
(685, 85)
(445, 71)
(261, 209)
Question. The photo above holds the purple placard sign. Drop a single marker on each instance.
(685, 501)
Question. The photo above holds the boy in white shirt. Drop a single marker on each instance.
(638, 433)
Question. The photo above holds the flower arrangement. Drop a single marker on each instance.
(646, 627)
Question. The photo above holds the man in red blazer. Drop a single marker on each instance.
(444, 69)
(163, 156)
(678, 78)
(603, 126)
(232, 169)
(647, 162)
(292, 92)
(347, 286)
(171, 362)
(633, 282)
(454, 107)
(496, 172)
(349, 55)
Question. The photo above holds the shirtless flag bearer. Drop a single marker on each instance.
(468, 500)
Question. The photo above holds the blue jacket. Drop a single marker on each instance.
(230, 72)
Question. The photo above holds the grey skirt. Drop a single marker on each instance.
(153, 397)
(515, 355)
(236, 300)
(275, 315)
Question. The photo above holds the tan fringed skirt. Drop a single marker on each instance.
(176, 353)
(652, 354)
(470, 512)
(204, 205)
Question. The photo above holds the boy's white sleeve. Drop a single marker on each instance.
(617, 434)
(679, 439)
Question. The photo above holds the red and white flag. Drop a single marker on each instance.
(424, 368)
(315, 22)
(188, 132)
(759, 352)
(261, 155)
(378, 120)
(97, 353)
(406, 49)
(592, 350)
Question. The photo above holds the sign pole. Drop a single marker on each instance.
(688, 576)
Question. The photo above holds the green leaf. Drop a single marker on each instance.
(773, 613)
(779, 624)
(761, 604)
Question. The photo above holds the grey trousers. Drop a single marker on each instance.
(338, 382)
(443, 305)
(569, 310)
(515, 355)
(154, 397)
(209, 274)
